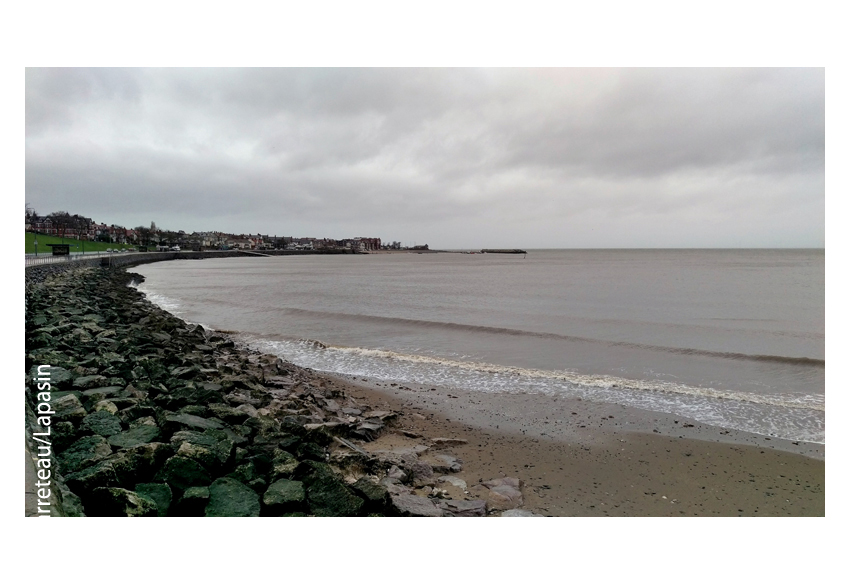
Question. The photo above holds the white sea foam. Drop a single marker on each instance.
(784, 415)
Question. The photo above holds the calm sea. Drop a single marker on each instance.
(732, 338)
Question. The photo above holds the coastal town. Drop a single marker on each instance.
(64, 225)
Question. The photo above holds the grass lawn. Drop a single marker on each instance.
(87, 246)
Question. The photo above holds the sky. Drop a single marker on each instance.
(457, 158)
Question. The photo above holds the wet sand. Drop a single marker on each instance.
(578, 458)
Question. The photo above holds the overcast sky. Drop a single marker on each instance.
(456, 158)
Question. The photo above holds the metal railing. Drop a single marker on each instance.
(34, 260)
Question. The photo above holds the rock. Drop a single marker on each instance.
(394, 488)
(368, 431)
(193, 503)
(60, 378)
(141, 434)
(500, 494)
(283, 464)
(177, 422)
(106, 406)
(117, 502)
(181, 473)
(98, 393)
(157, 492)
(375, 494)
(421, 473)
(454, 481)
(443, 442)
(327, 495)
(413, 506)
(310, 451)
(395, 474)
(205, 456)
(444, 463)
(519, 513)
(229, 414)
(283, 496)
(89, 381)
(83, 453)
(123, 469)
(69, 408)
(230, 498)
(102, 423)
(456, 508)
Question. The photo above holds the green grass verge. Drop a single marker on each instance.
(87, 246)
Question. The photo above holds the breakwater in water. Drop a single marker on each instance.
(154, 416)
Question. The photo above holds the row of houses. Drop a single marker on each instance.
(80, 227)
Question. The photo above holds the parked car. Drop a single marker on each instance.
(110, 250)
(175, 248)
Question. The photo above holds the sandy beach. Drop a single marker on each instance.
(577, 458)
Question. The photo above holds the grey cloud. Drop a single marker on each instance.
(463, 153)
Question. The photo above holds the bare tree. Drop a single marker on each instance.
(63, 222)
(144, 234)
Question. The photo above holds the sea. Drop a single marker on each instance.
(729, 338)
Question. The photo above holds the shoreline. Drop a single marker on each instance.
(586, 459)
(612, 467)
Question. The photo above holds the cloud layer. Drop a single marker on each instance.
(457, 158)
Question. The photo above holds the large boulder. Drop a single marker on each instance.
(500, 494)
(181, 473)
(193, 503)
(283, 496)
(69, 408)
(117, 502)
(157, 492)
(414, 506)
(89, 381)
(124, 469)
(83, 453)
(102, 423)
(327, 495)
(376, 495)
(230, 498)
(141, 434)
(460, 508)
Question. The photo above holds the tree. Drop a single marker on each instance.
(144, 235)
(79, 225)
(63, 222)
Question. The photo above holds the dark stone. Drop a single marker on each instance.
(456, 508)
(99, 393)
(283, 464)
(181, 473)
(124, 469)
(193, 503)
(177, 422)
(89, 381)
(230, 498)
(376, 495)
(102, 423)
(117, 502)
(310, 451)
(157, 492)
(83, 453)
(283, 496)
(327, 495)
(413, 506)
(142, 434)
(69, 408)
(229, 414)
